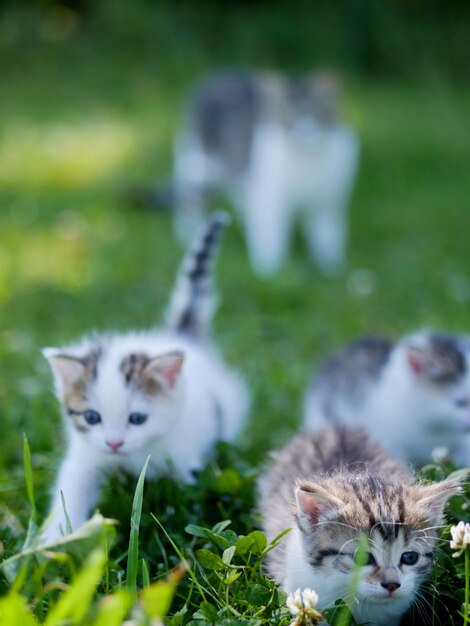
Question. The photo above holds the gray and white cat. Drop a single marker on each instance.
(412, 395)
(276, 147)
(362, 529)
(164, 392)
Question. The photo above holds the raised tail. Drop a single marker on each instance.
(193, 301)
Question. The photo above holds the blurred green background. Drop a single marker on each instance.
(90, 95)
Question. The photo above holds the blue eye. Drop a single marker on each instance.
(409, 558)
(462, 403)
(92, 417)
(137, 418)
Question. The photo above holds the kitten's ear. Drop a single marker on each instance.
(423, 362)
(67, 369)
(312, 501)
(165, 369)
(434, 497)
(420, 360)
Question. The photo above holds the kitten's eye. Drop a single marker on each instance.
(409, 558)
(462, 403)
(363, 558)
(92, 417)
(137, 418)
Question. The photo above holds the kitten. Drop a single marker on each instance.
(277, 148)
(161, 392)
(411, 395)
(332, 487)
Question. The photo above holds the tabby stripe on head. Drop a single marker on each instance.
(132, 366)
(360, 496)
(453, 364)
(91, 362)
(129, 371)
(388, 529)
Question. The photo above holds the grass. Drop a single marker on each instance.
(84, 123)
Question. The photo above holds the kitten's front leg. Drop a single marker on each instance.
(79, 481)
(266, 209)
(325, 229)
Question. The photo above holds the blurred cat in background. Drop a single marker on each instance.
(362, 528)
(411, 395)
(164, 392)
(277, 148)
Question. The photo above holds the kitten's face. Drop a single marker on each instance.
(118, 405)
(440, 366)
(379, 532)
(389, 570)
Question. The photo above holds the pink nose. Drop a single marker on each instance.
(115, 445)
(392, 586)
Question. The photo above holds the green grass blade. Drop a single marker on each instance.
(14, 610)
(182, 558)
(133, 552)
(28, 472)
(74, 603)
(113, 608)
(68, 525)
(145, 574)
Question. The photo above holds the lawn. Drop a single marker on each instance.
(82, 122)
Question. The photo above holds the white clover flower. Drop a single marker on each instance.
(294, 602)
(310, 598)
(302, 603)
(440, 454)
(460, 538)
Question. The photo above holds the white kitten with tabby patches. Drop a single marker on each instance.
(339, 493)
(412, 395)
(277, 148)
(161, 392)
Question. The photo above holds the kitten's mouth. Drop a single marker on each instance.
(389, 597)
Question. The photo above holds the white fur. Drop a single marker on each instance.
(408, 416)
(179, 434)
(304, 172)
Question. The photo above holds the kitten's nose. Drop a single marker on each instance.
(115, 445)
(391, 586)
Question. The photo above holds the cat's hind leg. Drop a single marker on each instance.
(326, 220)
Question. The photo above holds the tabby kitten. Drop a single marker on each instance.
(412, 395)
(164, 392)
(277, 148)
(337, 490)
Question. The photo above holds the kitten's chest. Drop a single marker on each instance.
(158, 461)
(315, 162)
(406, 428)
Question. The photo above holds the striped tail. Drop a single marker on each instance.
(193, 301)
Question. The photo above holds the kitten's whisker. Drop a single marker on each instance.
(437, 527)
